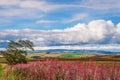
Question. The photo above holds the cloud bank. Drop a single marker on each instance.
(94, 32)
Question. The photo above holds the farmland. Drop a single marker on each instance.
(75, 56)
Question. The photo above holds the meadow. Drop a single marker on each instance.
(64, 67)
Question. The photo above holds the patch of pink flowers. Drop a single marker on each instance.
(65, 70)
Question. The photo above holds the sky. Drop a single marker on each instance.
(60, 22)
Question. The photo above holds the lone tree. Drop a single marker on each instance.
(16, 51)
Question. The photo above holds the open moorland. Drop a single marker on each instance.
(63, 66)
(69, 57)
(73, 57)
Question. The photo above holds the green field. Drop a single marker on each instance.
(60, 55)
(68, 56)
(75, 55)
(2, 60)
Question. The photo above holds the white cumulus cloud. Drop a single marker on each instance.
(95, 32)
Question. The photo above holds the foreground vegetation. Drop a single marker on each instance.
(63, 70)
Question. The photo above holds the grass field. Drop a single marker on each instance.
(60, 55)
(77, 56)
(74, 55)
(70, 56)
(2, 60)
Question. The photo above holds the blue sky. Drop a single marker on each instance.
(55, 14)
(60, 22)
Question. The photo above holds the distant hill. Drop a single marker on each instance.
(89, 48)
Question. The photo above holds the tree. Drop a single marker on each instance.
(16, 51)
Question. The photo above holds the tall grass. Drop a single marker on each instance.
(64, 70)
(1, 69)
